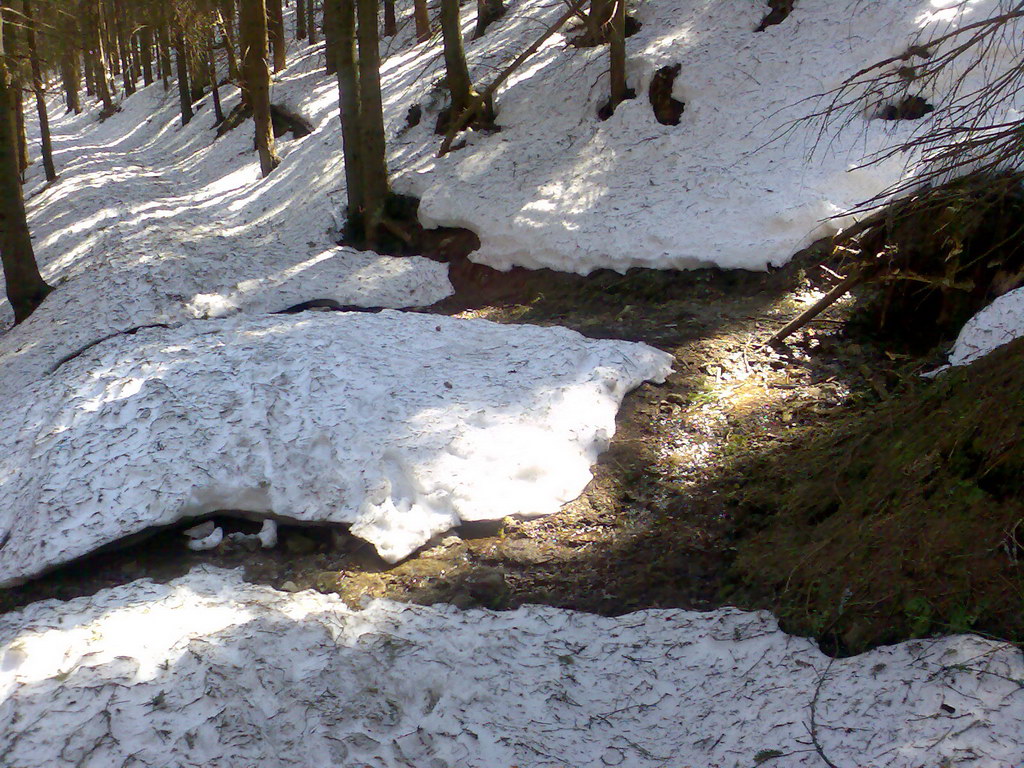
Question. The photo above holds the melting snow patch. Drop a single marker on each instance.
(999, 323)
(153, 675)
(400, 424)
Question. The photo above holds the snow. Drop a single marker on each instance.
(399, 424)
(999, 323)
(120, 678)
(729, 186)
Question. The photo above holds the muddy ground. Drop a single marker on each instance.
(691, 496)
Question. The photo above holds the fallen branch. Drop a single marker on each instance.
(484, 97)
(817, 308)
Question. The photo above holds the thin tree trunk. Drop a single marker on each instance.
(275, 33)
(218, 110)
(163, 36)
(26, 288)
(390, 22)
(617, 55)
(90, 72)
(234, 72)
(253, 32)
(300, 20)
(124, 46)
(456, 71)
(331, 10)
(112, 47)
(343, 13)
(101, 77)
(311, 20)
(181, 59)
(422, 17)
(70, 79)
(146, 46)
(37, 87)
(376, 187)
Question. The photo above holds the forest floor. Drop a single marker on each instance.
(685, 508)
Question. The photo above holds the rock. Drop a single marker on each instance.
(525, 551)
(289, 586)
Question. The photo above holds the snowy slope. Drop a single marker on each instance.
(402, 425)
(558, 188)
(154, 223)
(122, 678)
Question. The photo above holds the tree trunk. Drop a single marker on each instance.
(275, 33)
(311, 20)
(24, 161)
(300, 20)
(376, 188)
(71, 79)
(146, 45)
(101, 73)
(617, 55)
(422, 17)
(26, 288)
(253, 33)
(456, 71)
(234, 72)
(390, 22)
(163, 36)
(37, 87)
(124, 46)
(487, 12)
(90, 72)
(331, 11)
(218, 110)
(198, 71)
(181, 59)
(343, 14)
(599, 18)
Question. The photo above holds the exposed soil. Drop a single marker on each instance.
(718, 487)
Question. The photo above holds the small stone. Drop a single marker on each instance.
(289, 586)
(675, 398)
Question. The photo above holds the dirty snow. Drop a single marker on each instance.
(400, 424)
(260, 677)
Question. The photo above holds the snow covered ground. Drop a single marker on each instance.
(259, 677)
(400, 424)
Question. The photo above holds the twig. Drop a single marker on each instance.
(814, 715)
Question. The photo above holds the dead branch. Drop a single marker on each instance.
(817, 308)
